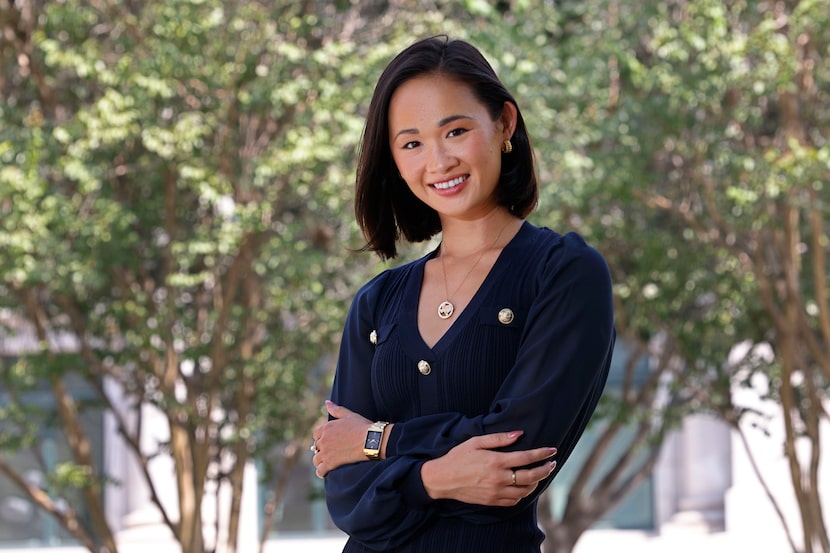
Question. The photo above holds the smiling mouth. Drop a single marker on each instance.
(446, 185)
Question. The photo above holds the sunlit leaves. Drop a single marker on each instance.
(176, 191)
(189, 156)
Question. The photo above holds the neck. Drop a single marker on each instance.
(464, 238)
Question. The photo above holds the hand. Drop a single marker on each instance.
(471, 472)
(339, 441)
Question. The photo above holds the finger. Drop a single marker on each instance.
(514, 494)
(524, 491)
(529, 456)
(337, 411)
(523, 479)
(528, 477)
(317, 432)
(494, 441)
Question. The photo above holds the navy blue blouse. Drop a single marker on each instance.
(541, 372)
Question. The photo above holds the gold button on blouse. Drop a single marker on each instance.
(506, 316)
(424, 367)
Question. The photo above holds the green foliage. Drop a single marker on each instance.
(660, 138)
(70, 476)
(175, 193)
(175, 181)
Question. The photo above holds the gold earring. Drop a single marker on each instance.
(506, 147)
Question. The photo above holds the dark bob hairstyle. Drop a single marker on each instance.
(384, 205)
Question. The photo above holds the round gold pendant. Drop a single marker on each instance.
(445, 309)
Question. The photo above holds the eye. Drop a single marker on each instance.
(411, 145)
(456, 132)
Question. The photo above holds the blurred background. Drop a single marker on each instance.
(177, 253)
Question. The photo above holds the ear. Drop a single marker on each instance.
(508, 119)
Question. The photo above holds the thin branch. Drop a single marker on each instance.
(761, 480)
(296, 450)
(817, 247)
(95, 379)
(78, 441)
(65, 515)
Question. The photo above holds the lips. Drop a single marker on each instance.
(451, 183)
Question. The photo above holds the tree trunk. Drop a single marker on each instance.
(82, 452)
(77, 439)
(66, 518)
(802, 409)
(559, 538)
(190, 498)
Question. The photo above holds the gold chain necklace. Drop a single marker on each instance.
(446, 308)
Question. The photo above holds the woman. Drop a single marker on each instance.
(462, 373)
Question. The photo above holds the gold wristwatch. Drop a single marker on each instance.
(374, 438)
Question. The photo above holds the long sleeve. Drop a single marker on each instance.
(549, 389)
(381, 504)
(555, 383)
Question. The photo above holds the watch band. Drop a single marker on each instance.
(374, 439)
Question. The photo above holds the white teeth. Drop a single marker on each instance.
(449, 184)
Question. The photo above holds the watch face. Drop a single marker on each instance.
(373, 440)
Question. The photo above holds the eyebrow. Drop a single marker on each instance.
(441, 123)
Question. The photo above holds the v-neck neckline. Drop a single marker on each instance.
(412, 297)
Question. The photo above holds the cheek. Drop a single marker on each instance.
(404, 169)
(407, 166)
(399, 163)
(412, 183)
(417, 191)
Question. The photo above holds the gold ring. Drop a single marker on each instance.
(513, 475)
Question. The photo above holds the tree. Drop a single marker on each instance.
(688, 142)
(560, 61)
(172, 195)
(695, 156)
(749, 184)
(180, 175)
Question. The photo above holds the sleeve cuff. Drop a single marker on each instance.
(412, 488)
(392, 440)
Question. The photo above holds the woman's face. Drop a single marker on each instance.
(446, 146)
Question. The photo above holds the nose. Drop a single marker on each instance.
(440, 159)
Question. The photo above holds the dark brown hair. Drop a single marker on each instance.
(384, 205)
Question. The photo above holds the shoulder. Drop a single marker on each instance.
(567, 272)
(551, 250)
(385, 287)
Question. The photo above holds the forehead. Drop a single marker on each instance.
(428, 99)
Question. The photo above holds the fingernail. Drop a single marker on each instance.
(329, 403)
(552, 450)
(552, 465)
(515, 434)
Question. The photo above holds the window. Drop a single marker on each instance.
(22, 523)
(303, 506)
(636, 510)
